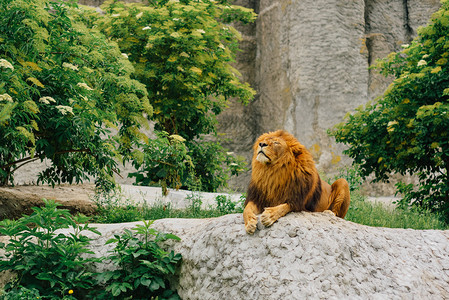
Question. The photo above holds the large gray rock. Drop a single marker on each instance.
(302, 256)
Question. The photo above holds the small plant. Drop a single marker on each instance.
(164, 161)
(143, 266)
(225, 204)
(195, 200)
(44, 260)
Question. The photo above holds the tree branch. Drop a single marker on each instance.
(32, 158)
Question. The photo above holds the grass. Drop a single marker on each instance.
(378, 215)
(110, 211)
(360, 211)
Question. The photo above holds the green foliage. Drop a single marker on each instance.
(195, 201)
(143, 266)
(352, 176)
(21, 293)
(62, 86)
(45, 261)
(53, 265)
(163, 161)
(213, 165)
(182, 51)
(225, 205)
(170, 161)
(367, 213)
(407, 129)
(360, 211)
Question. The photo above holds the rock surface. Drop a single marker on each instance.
(15, 201)
(302, 256)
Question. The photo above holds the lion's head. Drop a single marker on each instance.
(277, 147)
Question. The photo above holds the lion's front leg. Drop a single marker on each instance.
(250, 218)
(272, 214)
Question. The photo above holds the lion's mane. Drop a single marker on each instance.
(292, 178)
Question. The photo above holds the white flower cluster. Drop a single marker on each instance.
(6, 64)
(70, 66)
(47, 100)
(422, 62)
(64, 109)
(83, 85)
(177, 138)
(6, 97)
(146, 28)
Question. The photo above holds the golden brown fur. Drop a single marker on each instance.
(284, 179)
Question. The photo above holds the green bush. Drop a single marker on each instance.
(53, 265)
(143, 267)
(171, 161)
(62, 88)
(406, 130)
(44, 260)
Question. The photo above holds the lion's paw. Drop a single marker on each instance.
(251, 224)
(268, 216)
(329, 212)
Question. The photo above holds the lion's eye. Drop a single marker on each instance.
(276, 143)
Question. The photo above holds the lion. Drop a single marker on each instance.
(284, 179)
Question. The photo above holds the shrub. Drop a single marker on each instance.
(407, 129)
(183, 52)
(45, 261)
(171, 161)
(144, 268)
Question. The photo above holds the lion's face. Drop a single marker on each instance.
(269, 148)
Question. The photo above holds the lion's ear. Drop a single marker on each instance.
(297, 149)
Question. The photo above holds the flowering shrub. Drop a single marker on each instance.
(407, 129)
(62, 88)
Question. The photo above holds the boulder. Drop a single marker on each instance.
(302, 256)
(16, 201)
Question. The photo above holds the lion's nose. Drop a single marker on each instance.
(262, 145)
